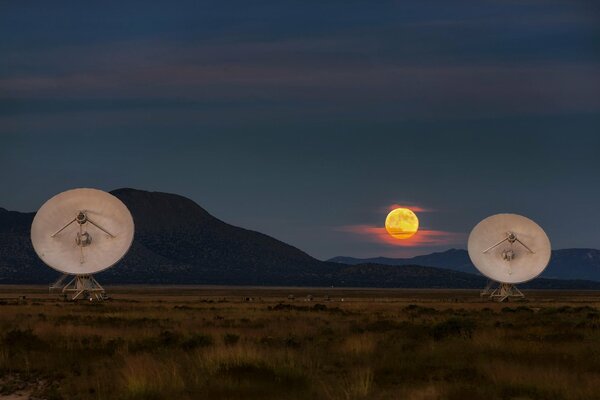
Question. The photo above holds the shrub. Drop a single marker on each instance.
(524, 309)
(231, 339)
(453, 327)
(168, 338)
(419, 310)
(196, 341)
(381, 325)
(22, 340)
(292, 341)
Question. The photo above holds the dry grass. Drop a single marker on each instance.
(190, 343)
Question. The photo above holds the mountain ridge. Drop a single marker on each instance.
(179, 242)
(572, 263)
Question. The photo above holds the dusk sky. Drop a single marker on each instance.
(308, 120)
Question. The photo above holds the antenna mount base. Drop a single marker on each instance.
(501, 291)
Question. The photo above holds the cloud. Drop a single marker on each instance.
(414, 208)
(331, 73)
(424, 237)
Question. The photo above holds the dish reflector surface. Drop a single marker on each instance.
(82, 231)
(509, 248)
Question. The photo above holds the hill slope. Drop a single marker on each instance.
(193, 245)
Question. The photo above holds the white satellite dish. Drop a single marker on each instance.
(508, 249)
(81, 232)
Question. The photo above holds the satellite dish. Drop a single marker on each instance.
(509, 249)
(81, 232)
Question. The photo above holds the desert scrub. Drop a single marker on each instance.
(419, 345)
(249, 372)
(168, 339)
(453, 327)
(230, 339)
(146, 377)
(22, 340)
(360, 345)
(197, 340)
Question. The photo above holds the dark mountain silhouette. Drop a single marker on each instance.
(454, 259)
(413, 276)
(178, 242)
(192, 246)
(565, 264)
(574, 264)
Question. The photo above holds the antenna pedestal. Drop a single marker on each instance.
(502, 292)
(59, 284)
(81, 287)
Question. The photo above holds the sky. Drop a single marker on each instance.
(309, 121)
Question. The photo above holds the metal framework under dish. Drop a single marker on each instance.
(80, 287)
(501, 291)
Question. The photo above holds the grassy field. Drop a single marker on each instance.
(257, 343)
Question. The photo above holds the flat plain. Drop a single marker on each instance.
(194, 342)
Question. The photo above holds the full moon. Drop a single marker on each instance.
(402, 223)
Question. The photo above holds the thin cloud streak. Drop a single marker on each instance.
(424, 237)
(415, 92)
(326, 70)
(414, 208)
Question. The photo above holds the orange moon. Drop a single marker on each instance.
(402, 223)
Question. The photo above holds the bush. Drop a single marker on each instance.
(524, 309)
(168, 338)
(231, 338)
(419, 310)
(453, 327)
(22, 340)
(196, 341)
(381, 325)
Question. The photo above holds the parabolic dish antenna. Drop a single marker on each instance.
(508, 249)
(81, 232)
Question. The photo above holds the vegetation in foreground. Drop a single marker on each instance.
(227, 345)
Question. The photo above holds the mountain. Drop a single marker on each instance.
(454, 259)
(414, 276)
(178, 242)
(576, 264)
(185, 244)
(18, 261)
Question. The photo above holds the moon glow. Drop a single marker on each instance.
(402, 223)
